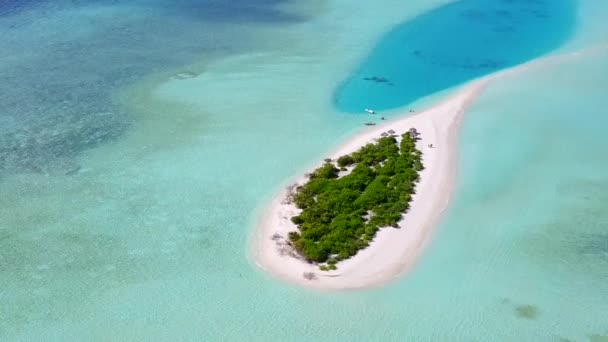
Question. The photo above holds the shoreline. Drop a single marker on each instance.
(393, 250)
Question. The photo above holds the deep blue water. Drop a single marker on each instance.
(452, 44)
(62, 60)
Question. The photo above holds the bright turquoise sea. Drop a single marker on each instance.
(129, 189)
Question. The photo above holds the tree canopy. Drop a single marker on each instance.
(341, 215)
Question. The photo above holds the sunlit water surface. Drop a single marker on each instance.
(139, 141)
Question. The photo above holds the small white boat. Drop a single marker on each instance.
(371, 111)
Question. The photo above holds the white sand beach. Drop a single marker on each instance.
(393, 250)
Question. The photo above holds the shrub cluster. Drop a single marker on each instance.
(341, 215)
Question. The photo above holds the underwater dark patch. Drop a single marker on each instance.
(527, 311)
(598, 338)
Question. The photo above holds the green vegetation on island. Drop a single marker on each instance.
(341, 214)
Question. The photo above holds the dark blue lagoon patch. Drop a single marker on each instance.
(452, 44)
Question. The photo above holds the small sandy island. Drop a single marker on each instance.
(393, 250)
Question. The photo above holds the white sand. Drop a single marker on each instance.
(393, 250)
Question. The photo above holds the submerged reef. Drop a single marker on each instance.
(47, 144)
(61, 71)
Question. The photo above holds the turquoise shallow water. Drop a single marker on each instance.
(145, 237)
